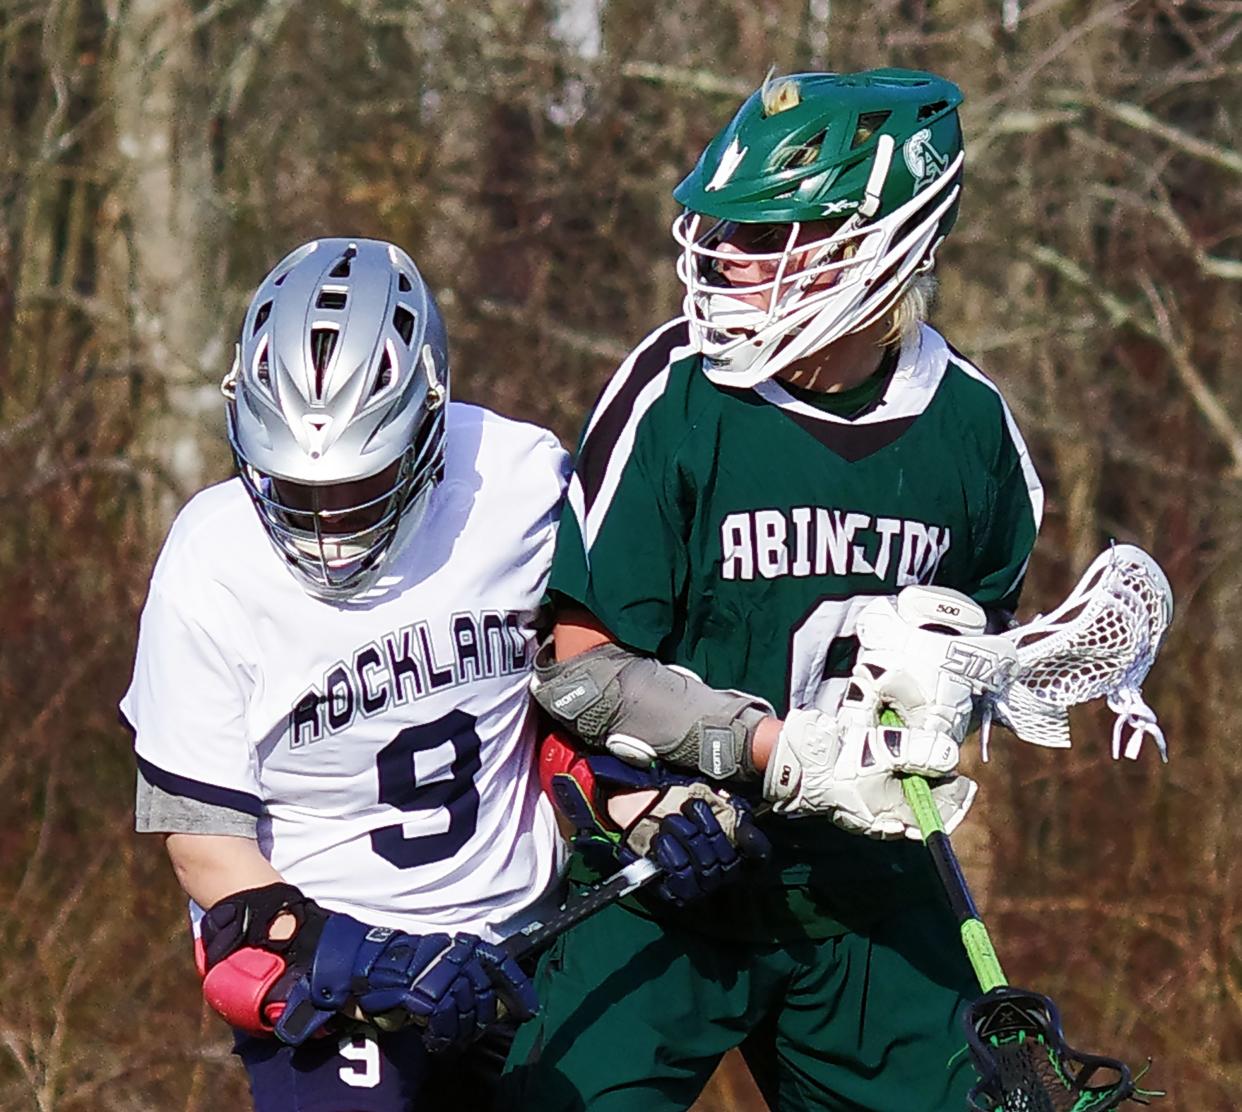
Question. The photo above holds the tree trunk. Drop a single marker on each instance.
(166, 250)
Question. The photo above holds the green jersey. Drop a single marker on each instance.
(739, 532)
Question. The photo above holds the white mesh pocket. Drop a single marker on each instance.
(1100, 642)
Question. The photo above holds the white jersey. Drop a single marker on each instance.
(387, 747)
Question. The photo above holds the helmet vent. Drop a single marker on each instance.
(331, 299)
(384, 379)
(323, 344)
(868, 124)
(807, 154)
(404, 284)
(929, 110)
(403, 322)
(342, 268)
(260, 318)
(262, 366)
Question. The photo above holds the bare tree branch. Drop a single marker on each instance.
(1133, 116)
(1157, 327)
(1211, 265)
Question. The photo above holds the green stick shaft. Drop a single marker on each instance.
(975, 938)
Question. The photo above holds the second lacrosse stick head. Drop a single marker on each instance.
(1025, 1064)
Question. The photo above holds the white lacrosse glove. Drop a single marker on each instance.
(848, 772)
(925, 656)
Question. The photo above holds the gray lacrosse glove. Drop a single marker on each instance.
(850, 772)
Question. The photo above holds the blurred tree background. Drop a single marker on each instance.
(157, 156)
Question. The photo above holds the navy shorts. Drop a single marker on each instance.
(384, 1072)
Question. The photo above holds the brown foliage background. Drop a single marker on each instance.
(156, 156)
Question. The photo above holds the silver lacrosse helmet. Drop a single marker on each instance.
(336, 403)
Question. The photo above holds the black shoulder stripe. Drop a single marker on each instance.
(958, 357)
(645, 364)
(196, 789)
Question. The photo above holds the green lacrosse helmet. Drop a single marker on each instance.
(873, 161)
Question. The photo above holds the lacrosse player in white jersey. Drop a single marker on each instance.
(330, 698)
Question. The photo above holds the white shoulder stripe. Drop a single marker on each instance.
(619, 457)
(634, 377)
(622, 374)
(1034, 487)
(577, 506)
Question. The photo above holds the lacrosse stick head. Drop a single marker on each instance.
(1025, 1064)
(1100, 642)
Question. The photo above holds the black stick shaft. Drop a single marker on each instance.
(951, 876)
(539, 935)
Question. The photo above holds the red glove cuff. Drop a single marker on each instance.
(237, 987)
(559, 755)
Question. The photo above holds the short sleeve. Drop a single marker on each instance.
(187, 704)
(1011, 524)
(621, 552)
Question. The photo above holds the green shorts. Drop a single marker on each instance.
(635, 1015)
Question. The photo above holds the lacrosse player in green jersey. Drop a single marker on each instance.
(787, 503)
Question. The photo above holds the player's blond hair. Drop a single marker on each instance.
(911, 310)
(778, 94)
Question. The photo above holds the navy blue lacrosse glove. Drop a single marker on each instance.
(454, 987)
(697, 855)
(701, 835)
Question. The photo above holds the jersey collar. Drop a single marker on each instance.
(920, 368)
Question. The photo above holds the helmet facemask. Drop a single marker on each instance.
(858, 176)
(336, 546)
(809, 293)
